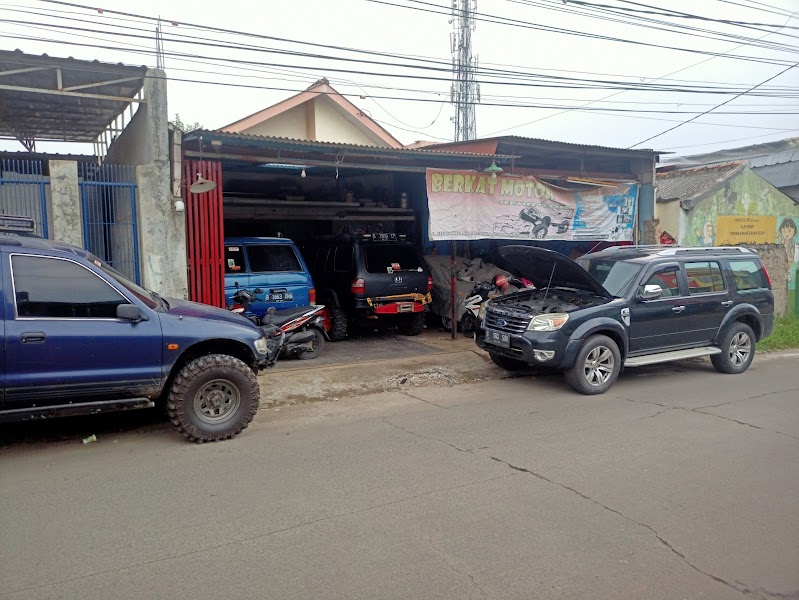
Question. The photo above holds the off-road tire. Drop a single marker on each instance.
(319, 344)
(736, 338)
(203, 371)
(577, 375)
(539, 229)
(412, 324)
(563, 227)
(507, 363)
(338, 324)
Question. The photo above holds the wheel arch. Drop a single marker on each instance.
(743, 313)
(229, 347)
(605, 326)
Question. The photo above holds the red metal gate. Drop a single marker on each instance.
(205, 234)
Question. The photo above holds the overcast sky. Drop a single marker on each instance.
(365, 25)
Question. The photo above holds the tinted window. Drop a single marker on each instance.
(614, 275)
(273, 257)
(667, 280)
(343, 261)
(704, 277)
(48, 287)
(234, 259)
(748, 275)
(122, 281)
(379, 258)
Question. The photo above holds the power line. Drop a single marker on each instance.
(753, 137)
(527, 25)
(712, 109)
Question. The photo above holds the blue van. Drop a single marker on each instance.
(274, 265)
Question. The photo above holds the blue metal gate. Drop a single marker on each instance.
(23, 191)
(108, 199)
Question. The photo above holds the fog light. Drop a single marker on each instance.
(544, 355)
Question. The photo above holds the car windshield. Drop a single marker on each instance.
(138, 291)
(615, 276)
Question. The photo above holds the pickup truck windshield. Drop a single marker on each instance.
(123, 281)
(614, 275)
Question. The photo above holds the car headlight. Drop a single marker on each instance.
(261, 346)
(481, 314)
(548, 322)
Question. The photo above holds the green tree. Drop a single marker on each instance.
(185, 127)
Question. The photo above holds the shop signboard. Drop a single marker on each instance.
(469, 205)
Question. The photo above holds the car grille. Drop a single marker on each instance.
(506, 321)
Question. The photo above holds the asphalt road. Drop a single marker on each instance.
(678, 484)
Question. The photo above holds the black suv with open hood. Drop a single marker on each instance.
(629, 306)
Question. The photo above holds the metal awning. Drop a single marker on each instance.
(63, 99)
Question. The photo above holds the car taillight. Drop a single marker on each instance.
(358, 287)
(312, 296)
(429, 284)
(768, 277)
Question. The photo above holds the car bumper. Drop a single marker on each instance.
(768, 326)
(551, 349)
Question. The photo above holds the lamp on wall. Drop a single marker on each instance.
(493, 169)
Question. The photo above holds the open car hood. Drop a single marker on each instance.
(539, 266)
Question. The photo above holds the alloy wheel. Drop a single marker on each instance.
(599, 366)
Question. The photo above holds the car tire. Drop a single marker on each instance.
(317, 343)
(412, 325)
(507, 363)
(563, 227)
(596, 366)
(338, 324)
(737, 349)
(213, 398)
(539, 232)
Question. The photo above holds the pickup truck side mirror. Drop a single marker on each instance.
(129, 312)
(650, 292)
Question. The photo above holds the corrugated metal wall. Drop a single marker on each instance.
(205, 234)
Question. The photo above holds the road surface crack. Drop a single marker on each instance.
(425, 401)
(737, 586)
(446, 559)
(701, 412)
(427, 437)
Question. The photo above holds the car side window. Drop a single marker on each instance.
(748, 275)
(52, 288)
(234, 259)
(343, 261)
(265, 258)
(667, 279)
(704, 278)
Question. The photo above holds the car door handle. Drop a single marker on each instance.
(678, 309)
(32, 337)
(727, 303)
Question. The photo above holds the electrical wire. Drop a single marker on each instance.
(754, 137)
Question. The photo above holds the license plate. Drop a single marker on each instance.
(498, 338)
(405, 307)
(280, 297)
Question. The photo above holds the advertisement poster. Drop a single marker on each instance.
(469, 205)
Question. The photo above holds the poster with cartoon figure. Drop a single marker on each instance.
(788, 240)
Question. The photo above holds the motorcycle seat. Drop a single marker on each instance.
(281, 317)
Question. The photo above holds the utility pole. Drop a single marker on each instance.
(465, 92)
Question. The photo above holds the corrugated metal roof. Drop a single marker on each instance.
(90, 96)
(272, 141)
(527, 140)
(788, 145)
(689, 186)
(778, 158)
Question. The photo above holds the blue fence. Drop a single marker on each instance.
(108, 198)
(23, 191)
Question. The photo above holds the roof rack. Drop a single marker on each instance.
(707, 250)
(13, 224)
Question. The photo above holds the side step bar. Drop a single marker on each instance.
(661, 357)
(76, 408)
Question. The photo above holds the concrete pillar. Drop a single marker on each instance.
(162, 234)
(66, 217)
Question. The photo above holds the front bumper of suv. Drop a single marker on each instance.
(549, 348)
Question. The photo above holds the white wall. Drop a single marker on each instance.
(333, 126)
(290, 124)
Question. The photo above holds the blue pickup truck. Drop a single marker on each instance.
(80, 338)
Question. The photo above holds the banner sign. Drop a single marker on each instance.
(732, 230)
(469, 205)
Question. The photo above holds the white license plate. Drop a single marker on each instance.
(498, 338)
(405, 307)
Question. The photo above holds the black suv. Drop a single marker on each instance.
(629, 306)
(375, 276)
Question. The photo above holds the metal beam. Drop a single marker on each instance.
(17, 88)
(15, 71)
(99, 83)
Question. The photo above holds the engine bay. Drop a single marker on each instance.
(543, 301)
